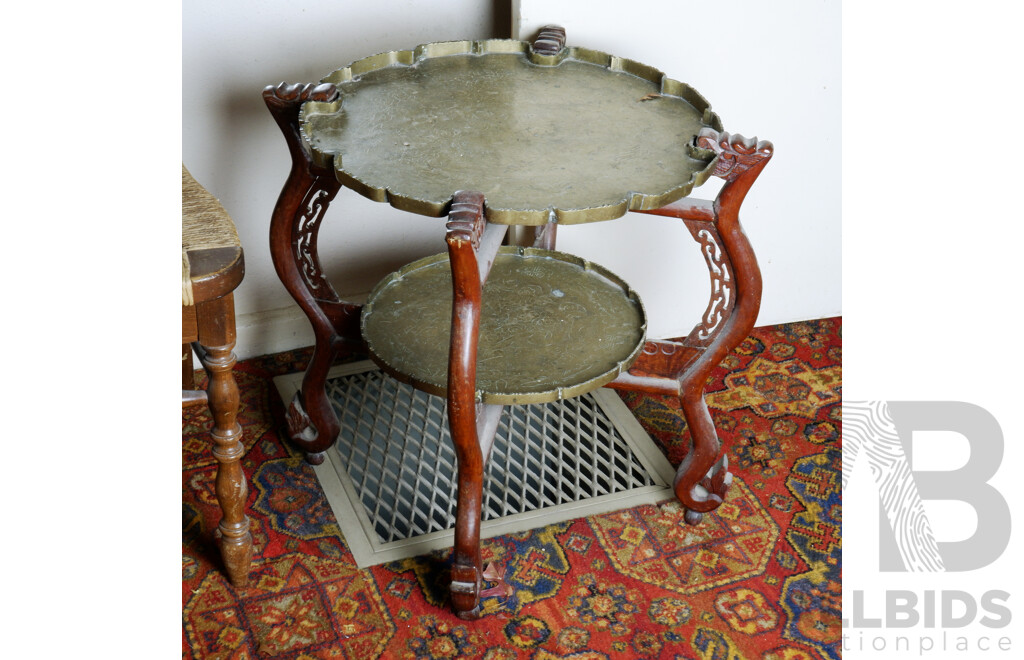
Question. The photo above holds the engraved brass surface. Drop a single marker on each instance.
(582, 135)
(552, 326)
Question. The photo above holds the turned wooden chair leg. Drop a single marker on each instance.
(215, 346)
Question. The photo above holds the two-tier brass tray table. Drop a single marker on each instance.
(498, 133)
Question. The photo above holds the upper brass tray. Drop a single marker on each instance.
(576, 137)
(552, 326)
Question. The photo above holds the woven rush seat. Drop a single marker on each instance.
(211, 254)
(552, 326)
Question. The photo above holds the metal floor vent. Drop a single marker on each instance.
(391, 477)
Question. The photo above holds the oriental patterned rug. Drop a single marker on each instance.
(758, 579)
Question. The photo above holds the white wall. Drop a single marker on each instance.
(771, 71)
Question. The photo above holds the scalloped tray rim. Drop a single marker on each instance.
(510, 398)
(631, 201)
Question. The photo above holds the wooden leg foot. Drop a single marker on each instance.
(236, 551)
(466, 563)
(471, 615)
(316, 458)
(465, 591)
(312, 424)
(703, 477)
(693, 517)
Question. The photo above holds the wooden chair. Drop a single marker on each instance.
(212, 267)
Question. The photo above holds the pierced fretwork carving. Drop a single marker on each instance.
(736, 154)
(466, 218)
(313, 207)
(723, 296)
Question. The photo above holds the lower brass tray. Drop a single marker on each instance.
(552, 326)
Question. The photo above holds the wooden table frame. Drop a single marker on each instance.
(678, 369)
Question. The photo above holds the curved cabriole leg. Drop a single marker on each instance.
(215, 346)
(312, 423)
(703, 478)
(465, 227)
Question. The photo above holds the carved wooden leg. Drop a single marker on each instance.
(473, 428)
(215, 345)
(683, 368)
(472, 425)
(464, 229)
(294, 227)
(467, 567)
(703, 477)
(312, 424)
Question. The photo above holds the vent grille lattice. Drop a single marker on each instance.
(398, 453)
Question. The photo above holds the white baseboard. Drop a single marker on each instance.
(285, 329)
(262, 333)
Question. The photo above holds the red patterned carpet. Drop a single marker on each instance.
(759, 578)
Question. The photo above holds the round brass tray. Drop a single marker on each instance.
(552, 326)
(576, 137)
